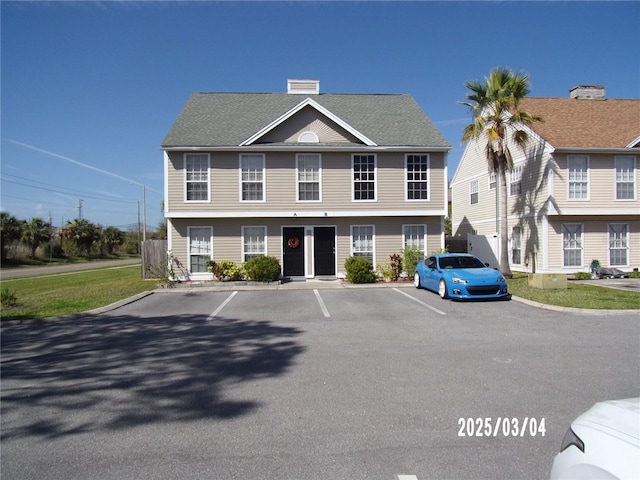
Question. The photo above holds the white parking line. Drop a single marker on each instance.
(321, 302)
(407, 477)
(215, 313)
(420, 302)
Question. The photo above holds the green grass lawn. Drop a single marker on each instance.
(577, 295)
(54, 295)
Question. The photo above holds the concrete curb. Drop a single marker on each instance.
(586, 311)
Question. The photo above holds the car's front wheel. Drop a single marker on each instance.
(416, 280)
(442, 289)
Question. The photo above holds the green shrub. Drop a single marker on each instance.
(9, 298)
(359, 270)
(583, 276)
(226, 270)
(410, 259)
(263, 269)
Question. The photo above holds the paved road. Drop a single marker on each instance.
(56, 269)
(363, 383)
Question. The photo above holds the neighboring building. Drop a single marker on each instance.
(573, 198)
(308, 178)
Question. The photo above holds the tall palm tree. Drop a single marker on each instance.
(498, 119)
(35, 232)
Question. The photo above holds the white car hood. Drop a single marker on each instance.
(615, 416)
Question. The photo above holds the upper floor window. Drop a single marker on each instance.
(417, 167)
(515, 185)
(625, 177)
(254, 242)
(578, 170)
(364, 177)
(196, 167)
(473, 192)
(492, 181)
(309, 177)
(252, 177)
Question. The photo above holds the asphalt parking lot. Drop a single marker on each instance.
(375, 383)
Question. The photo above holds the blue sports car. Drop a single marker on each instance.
(460, 276)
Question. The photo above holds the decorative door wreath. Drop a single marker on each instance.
(293, 242)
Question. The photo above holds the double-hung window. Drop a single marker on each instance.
(618, 244)
(516, 245)
(252, 177)
(200, 248)
(515, 185)
(254, 242)
(625, 177)
(362, 242)
(417, 167)
(309, 177)
(415, 237)
(364, 177)
(578, 169)
(492, 181)
(572, 244)
(196, 167)
(473, 192)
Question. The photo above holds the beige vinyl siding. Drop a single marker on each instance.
(602, 185)
(595, 240)
(227, 235)
(280, 185)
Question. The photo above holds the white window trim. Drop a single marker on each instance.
(474, 189)
(208, 200)
(375, 177)
(265, 237)
(513, 243)
(588, 197)
(198, 275)
(319, 178)
(517, 170)
(424, 239)
(627, 264)
(615, 179)
(492, 181)
(373, 240)
(562, 249)
(406, 180)
(264, 178)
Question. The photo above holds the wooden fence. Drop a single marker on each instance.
(154, 259)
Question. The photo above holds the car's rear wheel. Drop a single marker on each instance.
(442, 289)
(416, 280)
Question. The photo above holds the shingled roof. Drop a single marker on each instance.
(228, 119)
(580, 123)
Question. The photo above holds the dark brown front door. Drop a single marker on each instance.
(293, 251)
(324, 247)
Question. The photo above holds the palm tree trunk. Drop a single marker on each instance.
(505, 269)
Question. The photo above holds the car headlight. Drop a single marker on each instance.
(570, 438)
(458, 280)
(501, 279)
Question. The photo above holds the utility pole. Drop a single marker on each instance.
(80, 209)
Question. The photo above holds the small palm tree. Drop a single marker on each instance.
(35, 232)
(495, 107)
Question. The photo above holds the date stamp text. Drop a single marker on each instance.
(501, 426)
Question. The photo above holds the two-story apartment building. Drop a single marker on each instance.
(306, 177)
(573, 196)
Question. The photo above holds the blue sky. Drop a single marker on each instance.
(90, 89)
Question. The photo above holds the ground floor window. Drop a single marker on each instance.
(362, 241)
(200, 248)
(572, 244)
(618, 244)
(254, 242)
(516, 246)
(415, 236)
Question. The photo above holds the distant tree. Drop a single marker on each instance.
(161, 234)
(82, 233)
(112, 237)
(35, 232)
(495, 108)
(9, 231)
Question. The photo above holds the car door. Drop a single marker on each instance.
(431, 277)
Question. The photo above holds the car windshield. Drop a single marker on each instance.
(461, 262)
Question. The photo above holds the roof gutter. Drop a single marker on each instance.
(308, 148)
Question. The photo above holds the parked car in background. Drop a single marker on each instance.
(460, 276)
(603, 443)
(610, 273)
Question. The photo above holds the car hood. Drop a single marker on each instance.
(485, 273)
(621, 416)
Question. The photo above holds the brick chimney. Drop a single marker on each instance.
(588, 92)
(303, 87)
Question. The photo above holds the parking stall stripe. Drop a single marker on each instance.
(407, 477)
(420, 302)
(215, 313)
(321, 302)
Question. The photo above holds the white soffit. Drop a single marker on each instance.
(319, 108)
